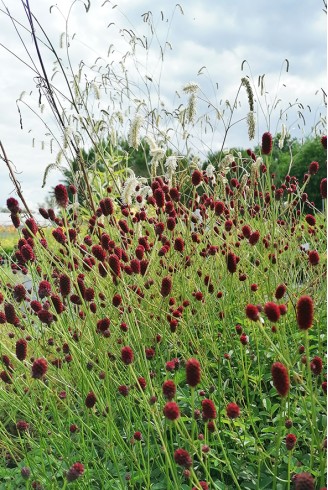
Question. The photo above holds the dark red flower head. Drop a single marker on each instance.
(233, 411)
(196, 177)
(193, 372)
(280, 378)
(75, 472)
(266, 143)
(169, 389)
(13, 205)
(252, 312)
(323, 188)
(182, 458)
(313, 168)
(127, 355)
(231, 262)
(272, 311)
(106, 206)
(304, 481)
(305, 311)
(316, 365)
(39, 368)
(324, 141)
(280, 291)
(21, 349)
(166, 286)
(61, 195)
(171, 411)
(310, 219)
(314, 257)
(209, 410)
(90, 400)
(44, 289)
(290, 441)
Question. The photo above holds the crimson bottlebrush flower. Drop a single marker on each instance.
(10, 314)
(246, 231)
(21, 349)
(44, 289)
(231, 262)
(244, 339)
(90, 400)
(19, 292)
(316, 365)
(103, 324)
(323, 188)
(159, 197)
(106, 206)
(166, 286)
(202, 484)
(5, 377)
(254, 238)
(272, 311)
(45, 316)
(228, 225)
(193, 372)
(13, 205)
(252, 312)
(117, 300)
(290, 441)
(141, 383)
(280, 378)
(196, 177)
(218, 208)
(324, 141)
(137, 436)
(310, 219)
(150, 353)
(283, 309)
(233, 411)
(170, 223)
(304, 309)
(36, 305)
(2, 318)
(31, 225)
(304, 481)
(209, 410)
(171, 411)
(135, 266)
(280, 291)
(15, 220)
(64, 285)
(169, 389)
(22, 426)
(59, 235)
(313, 168)
(57, 303)
(179, 244)
(266, 143)
(123, 225)
(27, 253)
(123, 390)
(61, 195)
(99, 252)
(39, 368)
(314, 257)
(127, 355)
(182, 458)
(114, 264)
(75, 472)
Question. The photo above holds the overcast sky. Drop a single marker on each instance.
(218, 34)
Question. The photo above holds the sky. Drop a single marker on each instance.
(218, 35)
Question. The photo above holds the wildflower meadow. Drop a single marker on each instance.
(164, 332)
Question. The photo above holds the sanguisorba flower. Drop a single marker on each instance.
(75, 472)
(272, 311)
(305, 310)
(266, 143)
(166, 286)
(252, 312)
(233, 411)
(290, 441)
(169, 389)
(61, 195)
(209, 410)
(193, 372)
(21, 349)
(127, 355)
(90, 400)
(304, 481)
(280, 378)
(171, 411)
(182, 458)
(39, 368)
(316, 365)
